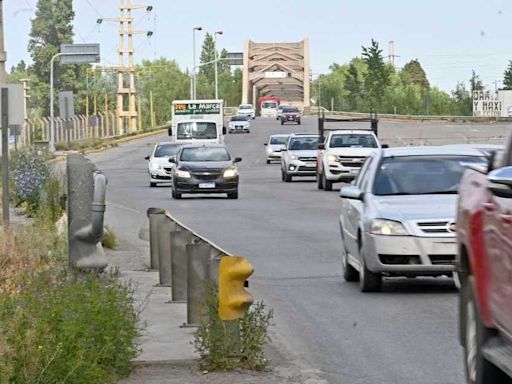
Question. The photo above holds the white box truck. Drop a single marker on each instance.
(197, 121)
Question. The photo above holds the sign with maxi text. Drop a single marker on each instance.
(492, 104)
(197, 109)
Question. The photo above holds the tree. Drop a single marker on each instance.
(51, 27)
(353, 85)
(378, 75)
(416, 74)
(475, 82)
(507, 77)
(208, 55)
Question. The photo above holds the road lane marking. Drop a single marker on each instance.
(123, 207)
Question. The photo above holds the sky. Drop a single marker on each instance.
(450, 38)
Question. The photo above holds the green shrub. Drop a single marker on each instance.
(110, 240)
(227, 345)
(67, 328)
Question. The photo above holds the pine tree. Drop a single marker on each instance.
(208, 55)
(416, 74)
(378, 76)
(475, 82)
(353, 85)
(507, 77)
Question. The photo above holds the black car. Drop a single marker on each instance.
(204, 169)
(290, 115)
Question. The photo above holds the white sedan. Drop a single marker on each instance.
(159, 167)
(246, 110)
(239, 123)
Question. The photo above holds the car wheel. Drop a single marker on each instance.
(268, 161)
(233, 195)
(368, 281)
(349, 272)
(319, 181)
(478, 369)
(152, 185)
(298, 122)
(282, 122)
(175, 195)
(327, 183)
(287, 177)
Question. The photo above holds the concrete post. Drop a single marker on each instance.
(198, 257)
(86, 207)
(156, 216)
(179, 241)
(167, 226)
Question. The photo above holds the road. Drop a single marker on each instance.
(405, 335)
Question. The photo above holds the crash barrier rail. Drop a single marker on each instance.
(230, 111)
(186, 260)
(314, 111)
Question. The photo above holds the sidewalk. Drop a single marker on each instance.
(167, 355)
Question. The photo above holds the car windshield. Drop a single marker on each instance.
(197, 130)
(166, 150)
(239, 118)
(420, 175)
(269, 104)
(204, 154)
(290, 109)
(353, 141)
(245, 107)
(278, 140)
(303, 143)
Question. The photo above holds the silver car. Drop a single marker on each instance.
(398, 217)
(239, 124)
(274, 147)
(298, 158)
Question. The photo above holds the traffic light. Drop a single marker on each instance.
(234, 300)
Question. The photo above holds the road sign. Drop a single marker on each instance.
(16, 102)
(80, 53)
(66, 105)
(235, 58)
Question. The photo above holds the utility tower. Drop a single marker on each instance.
(126, 109)
(392, 55)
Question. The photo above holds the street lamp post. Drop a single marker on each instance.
(216, 65)
(194, 87)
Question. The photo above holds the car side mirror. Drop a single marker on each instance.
(224, 131)
(321, 145)
(384, 146)
(147, 157)
(172, 159)
(265, 144)
(352, 192)
(500, 182)
(237, 160)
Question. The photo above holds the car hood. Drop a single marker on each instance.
(414, 207)
(238, 123)
(307, 153)
(204, 165)
(276, 147)
(349, 151)
(161, 161)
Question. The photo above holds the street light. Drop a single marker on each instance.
(216, 64)
(194, 88)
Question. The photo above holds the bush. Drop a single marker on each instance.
(110, 239)
(227, 345)
(67, 328)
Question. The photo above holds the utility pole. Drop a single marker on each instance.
(26, 96)
(218, 33)
(126, 92)
(3, 55)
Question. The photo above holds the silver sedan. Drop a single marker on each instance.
(398, 217)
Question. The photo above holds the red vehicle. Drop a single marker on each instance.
(268, 106)
(484, 265)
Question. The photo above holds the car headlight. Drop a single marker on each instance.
(154, 166)
(230, 172)
(387, 228)
(293, 157)
(183, 174)
(332, 158)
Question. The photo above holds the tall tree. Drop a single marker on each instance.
(51, 27)
(378, 76)
(353, 85)
(475, 82)
(416, 74)
(507, 77)
(208, 55)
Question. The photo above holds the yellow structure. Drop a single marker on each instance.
(234, 300)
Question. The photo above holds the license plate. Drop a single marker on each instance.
(311, 165)
(354, 171)
(206, 185)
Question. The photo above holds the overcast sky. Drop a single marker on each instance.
(449, 37)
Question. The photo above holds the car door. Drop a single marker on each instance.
(498, 242)
(352, 211)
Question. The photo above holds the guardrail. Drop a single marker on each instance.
(185, 261)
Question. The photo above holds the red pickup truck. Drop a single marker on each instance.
(484, 266)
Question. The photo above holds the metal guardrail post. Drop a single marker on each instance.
(198, 257)
(179, 270)
(156, 216)
(167, 226)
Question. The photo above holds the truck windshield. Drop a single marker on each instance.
(353, 141)
(421, 175)
(196, 130)
(303, 143)
(204, 154)
(269, 105)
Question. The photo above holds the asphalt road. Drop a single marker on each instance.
(289, 231)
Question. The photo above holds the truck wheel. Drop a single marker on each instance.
(287, 177)
(152, 185)
(268, 161)
(478, 369)
(319, 181)
(233, 195)
(298, 122)
(327, 183)
(368, 281)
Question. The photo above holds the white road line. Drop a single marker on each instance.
(123, 207)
